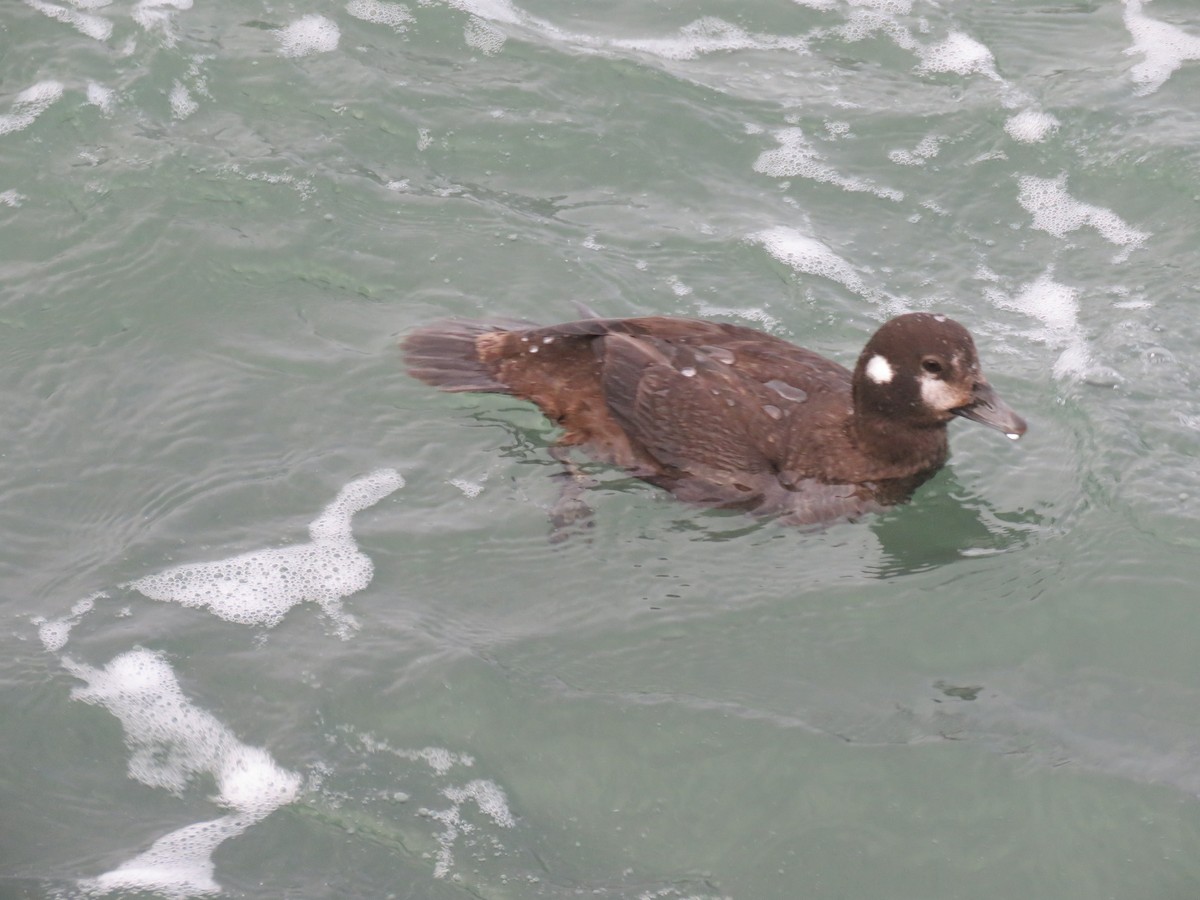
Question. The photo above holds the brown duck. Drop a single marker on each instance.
(727, 416)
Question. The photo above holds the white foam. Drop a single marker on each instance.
(1056, 307)
(892, 7)
(471, 488)
(483, 36)
(710, 35)
(1058, 213)
(379, 12)
(795, 156)
(54, 632)
(490, 800)
(678, 288)
(307, 35)
(488, 796)
(751, 314)
(960, 54)
(95, 27)
(1165, 48)
(807, 255)
(12, 198)
(869, 17)
(258, 588)
(501, 11)
(29, 104)
(706, 35)
(158, 15)
(99, 95)
(177, 865)
(182, 104)
(928, 147)
(1031, 126)
(172, 741)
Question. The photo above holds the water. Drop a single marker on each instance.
(215, 222)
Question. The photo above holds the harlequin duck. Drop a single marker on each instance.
(728, 416)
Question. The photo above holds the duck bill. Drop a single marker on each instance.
(988, 409)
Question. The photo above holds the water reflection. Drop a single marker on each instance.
(946, 522)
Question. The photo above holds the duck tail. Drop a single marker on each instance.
(445, 354)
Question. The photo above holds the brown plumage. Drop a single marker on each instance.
(727, 416)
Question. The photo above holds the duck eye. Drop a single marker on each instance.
(931, 365)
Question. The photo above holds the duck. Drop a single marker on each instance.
(727, 416)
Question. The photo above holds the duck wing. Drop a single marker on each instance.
(711, 407)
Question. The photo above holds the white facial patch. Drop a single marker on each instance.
(936, 394)
(879, 370)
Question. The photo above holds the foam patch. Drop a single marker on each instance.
(756, 314)
(795, 156)
(159, 15)
(1031, 126)
(177, 865)
(182, 104)
(483, 36)
(258, 588)
(172, 742)
(101, 96)
(1056, 307)
(959, 54)
(95, 27)
(501, 11)
(1058, 213)
(928, 148)
(307, 35)
(487, 797)
(379, 12)
(1164, 48)
(54, 633)
(29, 104)
(710, 35)
(809, 256)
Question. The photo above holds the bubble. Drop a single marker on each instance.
(95, 27)
(795, 156)
(309, 34)
(379, 12)
(1031, 126)
(54, 633)
(182, 104)
(687, 372)
(100, 96)
(1164, 48)
(809, 256)
(1056, 306)
(959, 54)
(484, 37)
(710, 35)
(1058, 213)
(471, 489)
(258, 588)
(156, 15)
(29, 104)
(172, 742)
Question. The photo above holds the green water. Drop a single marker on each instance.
(208, 250)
